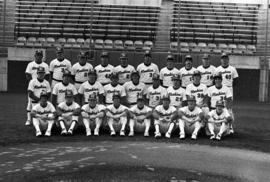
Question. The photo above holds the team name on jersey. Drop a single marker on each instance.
(225, 71)
(134, 89)
(60, 66)
(218, 94)
(148, 70)
(90, 89)
(82, 70)
(103, 71)
(196, 91)
(155, 93)
(113, 91)
(168, 74)
(206, 73)
(190, 115)
(62, 91)
(44, 112)
(123, 72)
(174, 94)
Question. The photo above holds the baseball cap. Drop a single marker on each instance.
(68, 93)
(59, 49)
(123, 55)
(170, 57)
(140, 97)
(83, 54)
(104, 54)
(217, 75)
(92, 97)
(220, 103)
(176, 77)
(40, 69)
(66, 72)
(92, 72)
(166, 97)
(205, 56)
(191, 98)
(224, 55)
(39, 52)
(43, 94)
(116, 95)
(135, 73)
(197, 73)
(114, 75)
(147, 53)
(155, 76)
(188, 57)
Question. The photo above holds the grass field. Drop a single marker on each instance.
(252, 127)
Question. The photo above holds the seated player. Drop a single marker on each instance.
(218, 121)
(163, 118)
(117, 116)
(68, 114)
(93, 114)
(190, 118)
(140, 118)
(176, 92)
(43, 115)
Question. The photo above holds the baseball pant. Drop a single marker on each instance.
(92, 124)
(117, 124)
(164, 126)
(68, 122)
(136, 126)
(42, 125)
(221, 129)
(186, 128)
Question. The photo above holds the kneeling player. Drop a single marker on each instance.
(93, 114)
(43, 115)
(163, 118)
(117, 116)
(140, 118)
(190, 118)
(218, 121)
(68, 112)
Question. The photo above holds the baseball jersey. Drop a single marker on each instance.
(86, 89)
(133, 91)
(93, 111)
(176, 95)
(186, 76)
(81, 72)
(68, 109)
(33, 66)
(60, 89)
(124, 73)
(116, 111)
(198, 91)
(228, 74)
(155, 95)
(146, 72)
(37, 87)
(166, 76)
(191, 114)
(104, 73)
(140, 113)
(218, 94)
(57, 67)
(109, 91)
(217, 117)
(165, 113)
(207, 74)
(49, 109)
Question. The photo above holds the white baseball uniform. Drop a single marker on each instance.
(68, 110)
(86, 89)
(33, 66)
(140, 123)
(186, 76)
(198, 91)
(104, 73)
(165, 117)
(155, 95)
(60, 89)
(207, 74)
(109, 91)
(81, 73)
(146, 72)
(57, 68)
(124, 73)
(133, 91)
(176, 96)
(166, 76)
(218, 94)
(120, 122)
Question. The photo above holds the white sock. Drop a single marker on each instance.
(171, 126)
(157, 128)
(98, 123)
(147, 124)
(182, 126)
(211, 128)
(123, 122)
(223, 128)
(72, 125)
(110, 123)
(131, 125)
(28, 116)
(86, 124)
(197, 128)
(50, 124)
(62, 124)
(36, 124)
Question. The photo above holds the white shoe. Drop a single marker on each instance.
(113, 133)
(194, 137)
(48, 133)
(64, 132)
(38, 133)
(27, 123)
(88, 132)
(122, 133)
(131, 134)
(70, 132)
(168, 135)
(96, 133)
(218, 137)
(212, 137)
(231, 130)
(182, 136)
(146, 134)
(157, 135)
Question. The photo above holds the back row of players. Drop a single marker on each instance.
(179, 87)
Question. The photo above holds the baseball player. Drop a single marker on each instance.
(218, 121)
(89, 87)
(140, 118)
(31, 73)
(80, 70)
(176, 92)
(168, 72)
(43, 115)
(113, 88)
(147, 69)
(117, 116)
(58, 66)
(207, 71)
(187, 72)
(124, 69)
(104, 70)
(134, 88)
(162, 118)
(190, 118)
(155, 92)
(68, 114)
(93, 115)
(59, 90)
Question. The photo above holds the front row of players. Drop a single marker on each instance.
(166, 118)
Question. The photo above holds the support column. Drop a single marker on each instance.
(3, 74)
(264, 79)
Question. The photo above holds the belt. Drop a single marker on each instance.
(34, 102)
(108, 103)
(79, 82)
(148, 83)
(57, 80)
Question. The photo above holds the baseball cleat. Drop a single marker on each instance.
(131, 134)
(194, 137)
(212, 137)
(64, 132)
(48, 133)
(38, 133)
(182, 136)
(146, 134)
(96, 133)
(27, 123)
(218, 137)
(88, 132)
(122, 133)
(231, 131)
(158, 135)
(70, 132)
(112, 133)
(168, 135)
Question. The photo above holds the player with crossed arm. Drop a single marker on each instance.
(218, 121)
(207, 71)
(43, 115)
(68, 113)
(124, 70)
(168, 72)
(104, 70)
(147, 69)
(31, 73)
(58, 65)
(93, 115)
(176, 92)
(80, 70)
(140, 117)
(187, 72)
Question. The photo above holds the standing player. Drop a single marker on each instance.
(92, 86)
(58, 66)
(68, 113)
(187, 72)
(80, 70)
(117, 116)
(104, 70)
(93, 115)
(134, 88)
(168, 72)
(155, 92)
(31, 73)
(218, 121)
(59, 90)
(207, 71)
(163, 118)
(140, 118)
(176, 92)
(124, 70)
(147, 69)
(43, 115)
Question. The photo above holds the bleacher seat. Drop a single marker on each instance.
(31, 41)
(240, 49)
(251, 49)
(40, 42)
(71, 42)
(232, 48)
(148, 45)
(118, 45)
(50, 41)
(173, 46)
(99, 44)
(21, 41)
(108, 44)
(128, 44)
(138, 45)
